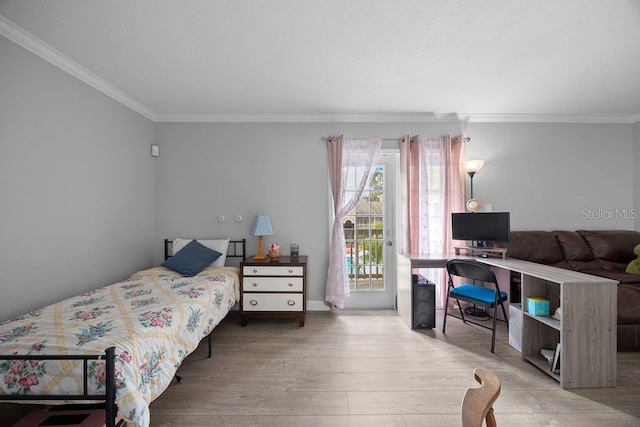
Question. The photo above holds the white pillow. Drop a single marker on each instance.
(219, 245)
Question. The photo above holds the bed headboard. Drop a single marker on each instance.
(237, 249)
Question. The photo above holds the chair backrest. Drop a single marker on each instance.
(477, 405)
(471, 270)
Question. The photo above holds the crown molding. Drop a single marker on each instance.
(30, 42)
(310, 118)
(549, 118)
(396, 118)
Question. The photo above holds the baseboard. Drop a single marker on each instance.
(317, 306)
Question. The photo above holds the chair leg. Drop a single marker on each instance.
(506, 319)
(461, 311)
(490, 418)
(493, 335)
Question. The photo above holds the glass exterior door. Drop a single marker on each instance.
(369, 244)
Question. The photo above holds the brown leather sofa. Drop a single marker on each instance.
(604, 253)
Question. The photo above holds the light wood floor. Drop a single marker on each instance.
(366, 368)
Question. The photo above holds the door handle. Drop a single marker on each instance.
(389, 243)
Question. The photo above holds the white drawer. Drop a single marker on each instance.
(272, 302)
(258, 270)
(515, 316)
(271, 284)
(515, 337)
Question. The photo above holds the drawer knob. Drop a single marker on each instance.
(255, 270)
(290, 270)
(255, 284)
(253, 302)
(291, 302)
(290, 285)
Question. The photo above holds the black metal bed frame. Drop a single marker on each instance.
(109, 396)
(237, 249)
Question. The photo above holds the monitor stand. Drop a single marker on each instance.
(481, 251)
(479, 245)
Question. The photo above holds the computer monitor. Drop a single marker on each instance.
(481, 227)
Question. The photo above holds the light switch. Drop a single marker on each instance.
(155, 150)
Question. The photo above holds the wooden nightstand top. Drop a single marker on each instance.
(283, 260)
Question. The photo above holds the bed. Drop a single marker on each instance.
(122, 343)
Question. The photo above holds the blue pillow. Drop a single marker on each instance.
(191, 259)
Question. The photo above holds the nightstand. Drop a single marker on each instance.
(273, 288)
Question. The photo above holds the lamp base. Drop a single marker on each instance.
(260, 256)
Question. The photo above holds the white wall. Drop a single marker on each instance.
(207, 170)
(76, 185)
(545, 174)
(556, 176)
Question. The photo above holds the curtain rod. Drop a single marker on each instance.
(324, 138)
(464, 139)
(382, 139)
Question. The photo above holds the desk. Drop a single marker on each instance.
(587, 330)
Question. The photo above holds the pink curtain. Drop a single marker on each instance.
(350, 160)
(432, 188)
(454, 185)
(405, 193)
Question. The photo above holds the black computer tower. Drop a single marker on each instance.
(424, 303)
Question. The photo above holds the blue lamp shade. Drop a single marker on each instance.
(261, 226)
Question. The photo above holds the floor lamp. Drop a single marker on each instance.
(472, 167)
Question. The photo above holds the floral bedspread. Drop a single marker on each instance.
(155, 319)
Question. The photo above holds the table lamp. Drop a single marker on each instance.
(261, 227)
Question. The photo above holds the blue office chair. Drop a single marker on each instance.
(474, 292)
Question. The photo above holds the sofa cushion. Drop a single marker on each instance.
(573, 246)
(534, 246)
(561, 264)
(619, 275)
(616, 266)
(612, 245)
(584, 266)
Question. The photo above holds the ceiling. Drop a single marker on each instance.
(193, 60)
